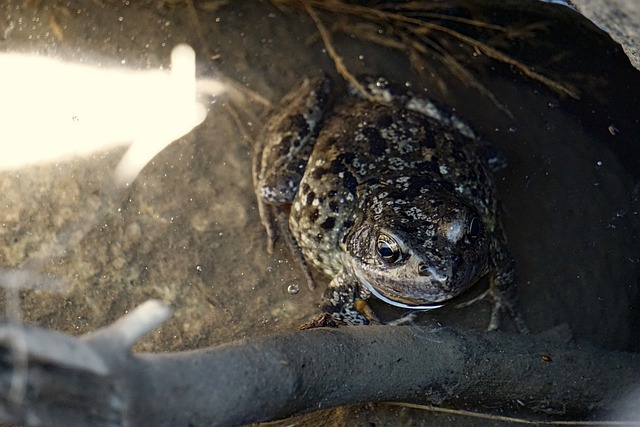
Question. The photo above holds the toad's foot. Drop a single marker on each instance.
(325, 320)
(404, 320)
(502, 306)
(276, 222)
(330, 320)
(269, 222)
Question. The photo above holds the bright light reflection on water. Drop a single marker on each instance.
(52, 110)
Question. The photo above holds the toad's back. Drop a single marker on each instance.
(365, 145)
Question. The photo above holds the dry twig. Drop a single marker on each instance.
(418, 36)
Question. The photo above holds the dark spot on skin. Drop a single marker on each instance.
(350, 182)
(305, 188)
(319, 237)
(421, 181)
(429, 166)
(449, 186)
(328, 223)
(347, 224)
(338, 165)
(377, 144)
(331, 141)
(332, 194)
(427, 142)
(333, 205)
(416, 184)
(313, 216)
(310, 197)
(384, 121)
(297, 121)
(282, 148)
(456, 260)
(318, 173)
(414, 189)
(459, 155)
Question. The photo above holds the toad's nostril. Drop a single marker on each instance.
(424, 269)
(428, 270)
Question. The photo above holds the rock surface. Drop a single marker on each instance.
(620, 18)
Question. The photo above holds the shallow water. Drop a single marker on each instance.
(187, 230)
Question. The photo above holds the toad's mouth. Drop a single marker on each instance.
(395, 303)
(473, 294)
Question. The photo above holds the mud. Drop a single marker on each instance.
(187, 230)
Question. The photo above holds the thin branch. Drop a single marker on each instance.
(457, 69)
(422, 27)
(514, 420)
(337, 59)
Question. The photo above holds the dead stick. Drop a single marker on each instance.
(284, 374)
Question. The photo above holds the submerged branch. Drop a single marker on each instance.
(280, 375)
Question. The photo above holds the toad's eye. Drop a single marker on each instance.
(475, 226)
(388, 249)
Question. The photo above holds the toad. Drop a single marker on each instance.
(390, 195)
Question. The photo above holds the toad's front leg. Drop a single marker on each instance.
(503, 290)
(345, 301)
(283, 149)
(281, 155)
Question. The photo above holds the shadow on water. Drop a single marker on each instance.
(187, 231)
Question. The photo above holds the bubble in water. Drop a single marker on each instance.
(293, 289)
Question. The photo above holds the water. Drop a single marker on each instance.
(187, 229)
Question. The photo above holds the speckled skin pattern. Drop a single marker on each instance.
(390, 195)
